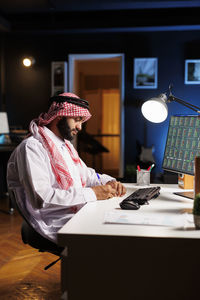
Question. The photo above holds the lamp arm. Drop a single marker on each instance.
(189, 105)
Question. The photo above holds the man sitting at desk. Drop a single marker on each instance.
(46, 174)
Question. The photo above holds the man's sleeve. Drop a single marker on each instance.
(37, 177)
(93, 178)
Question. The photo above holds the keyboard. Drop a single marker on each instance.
(139, 197)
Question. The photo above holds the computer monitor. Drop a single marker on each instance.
(182, 144)
(4, 127)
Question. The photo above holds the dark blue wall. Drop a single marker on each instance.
(27, 91)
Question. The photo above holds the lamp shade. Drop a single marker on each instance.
(155, 109)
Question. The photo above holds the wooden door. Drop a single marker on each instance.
(104, 127)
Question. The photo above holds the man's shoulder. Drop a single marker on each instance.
(29, 143)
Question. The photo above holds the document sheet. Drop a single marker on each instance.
(138, 218)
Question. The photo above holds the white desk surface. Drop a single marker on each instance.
(90, 219)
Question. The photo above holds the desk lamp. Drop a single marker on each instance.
(4, 127)
(155, 109)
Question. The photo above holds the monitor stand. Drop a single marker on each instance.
(189, 194)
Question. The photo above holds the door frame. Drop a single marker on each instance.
(71, 71)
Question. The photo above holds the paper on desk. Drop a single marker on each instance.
(119, 217)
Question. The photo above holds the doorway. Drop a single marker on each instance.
(99, 78)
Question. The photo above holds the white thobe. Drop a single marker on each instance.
(38, 194)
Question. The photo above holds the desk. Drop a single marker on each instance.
(113, 261)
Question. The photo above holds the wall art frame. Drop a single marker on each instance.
(145, 73)
(192, 71)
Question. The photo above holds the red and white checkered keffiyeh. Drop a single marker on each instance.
(64, 109)
(58, 164)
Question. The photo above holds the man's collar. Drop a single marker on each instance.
(54, 137)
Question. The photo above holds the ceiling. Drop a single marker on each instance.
(52, 16)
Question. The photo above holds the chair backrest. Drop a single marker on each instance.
(30, 236)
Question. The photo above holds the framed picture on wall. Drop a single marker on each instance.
(192, 71)
(145, 73)
(58, 77)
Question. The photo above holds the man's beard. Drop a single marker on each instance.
(65, 130)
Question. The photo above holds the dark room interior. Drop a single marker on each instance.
(52, 31)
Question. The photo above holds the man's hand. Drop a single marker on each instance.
(104, 191)
(118, 186)
(111, 189)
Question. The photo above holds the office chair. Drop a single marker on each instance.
(31, 237)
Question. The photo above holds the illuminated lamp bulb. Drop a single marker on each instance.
(155, 109)
(28, 62)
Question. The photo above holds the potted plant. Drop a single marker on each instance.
(196, 211)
